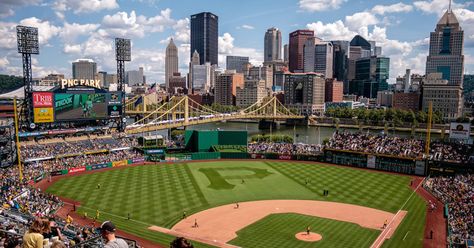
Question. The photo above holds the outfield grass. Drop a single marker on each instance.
(158, 194)
(281, 229)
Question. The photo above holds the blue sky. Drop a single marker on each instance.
(73, 29)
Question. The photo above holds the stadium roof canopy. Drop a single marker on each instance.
(20, 92)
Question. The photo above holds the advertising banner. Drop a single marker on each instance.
(56, 173)
(99, 166)
(138, 160)
(155, 151)
(42, 99)
(119, 163)
(371, 161)
(284, 157)
(95, 152)
(78, 169)
(257, 156)
(459, 130)
(43, 115)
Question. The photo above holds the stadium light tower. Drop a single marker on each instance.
(27, 40)
(122, 54)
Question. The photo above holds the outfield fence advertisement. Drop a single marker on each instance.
(460, 131)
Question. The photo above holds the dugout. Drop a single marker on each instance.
(203, 141)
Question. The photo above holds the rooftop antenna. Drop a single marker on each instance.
(449, 7)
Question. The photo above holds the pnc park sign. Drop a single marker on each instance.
(68, 83)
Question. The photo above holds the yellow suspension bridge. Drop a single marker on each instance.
(183, 111)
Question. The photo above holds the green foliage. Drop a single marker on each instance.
(396, 117)
(9, 83)
(277, 138)
(177, 132)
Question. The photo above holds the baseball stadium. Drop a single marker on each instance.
(89, 164)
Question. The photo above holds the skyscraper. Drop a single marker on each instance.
(341, 54)
(295, 49)
(272, 45)
(134, 77)
(446, 49)
(226, 87)
(285, 53)
(171, 62)
(318, 57)
(371, 76)
(305, 92)
(236, 63)
(194, 61)
(204, 37)
(84, 69)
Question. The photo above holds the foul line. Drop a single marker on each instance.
(378, 242)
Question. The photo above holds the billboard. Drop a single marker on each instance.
(460, 131)
(43, 115)
(42, 99)
(80, 106)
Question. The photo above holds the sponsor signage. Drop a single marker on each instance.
(284, 157)
(138, 160)
(42, 99)
(371, 161)
(99, 166)
(43, 115)
(155, 151)
(56, 173)
(75, 170)
(114, 111)
(119, 163)
(68, 83)
(460, 131)
(257, 156)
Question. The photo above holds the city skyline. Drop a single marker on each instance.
(87, 32)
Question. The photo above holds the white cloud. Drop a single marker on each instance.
(7, 35)
(245, 26)
(75, 49)
(320, 5)
(227, 47)
(437, 6)
(45, 30)
(7, 6)
(70, 32)
(331, 31)
(394, 8)
(84, 6)
(360, 20)
(4, 62)
(125, 25)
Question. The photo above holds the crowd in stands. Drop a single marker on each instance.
(381, 144)
(458, 193)
(398, 146)
(284, 148)
(73, 147)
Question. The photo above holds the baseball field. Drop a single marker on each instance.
(253, 204)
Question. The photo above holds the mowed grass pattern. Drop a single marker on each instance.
(281, 229)
(158, 194)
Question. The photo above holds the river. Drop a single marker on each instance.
(303, 134)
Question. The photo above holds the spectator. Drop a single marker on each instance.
(107, 229)
(34, 238)
(181, 242)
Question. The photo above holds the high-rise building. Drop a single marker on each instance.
(446, 49)
(260, 73)
(110, 78)
(252, 92)
(285, 53)
(226, 87)
(171, 62)
(204, 37)
(194, 61)
(407, 92)
(446, 98)
(84, 69)
(333, 90)
(201, 78)
(272, 45)
(102, 76)
(318, 57)
(134, 77)
(341, 49)
(296, 49)
(371, 76)
(236, 63)
(177, 84)
(305, 92)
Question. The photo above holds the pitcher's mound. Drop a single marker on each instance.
(312, 237)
